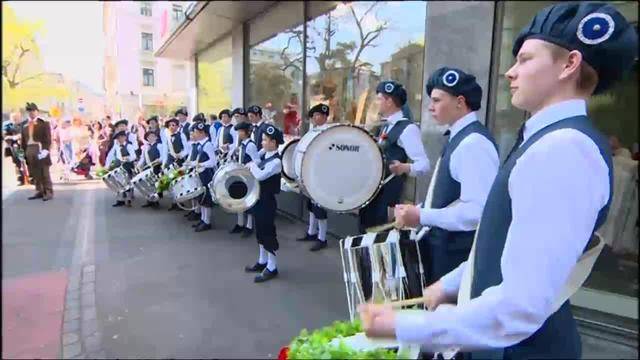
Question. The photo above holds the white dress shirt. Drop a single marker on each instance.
(271, 168)
(182, 154)
(211, 152)
(213, 133)
(133, 139)
(411, 141)
(115, 153)
(143, 158)
(251, 150)
(474, 164)
(557, 189)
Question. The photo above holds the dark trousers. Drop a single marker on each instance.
(265, 218)
(39, 170)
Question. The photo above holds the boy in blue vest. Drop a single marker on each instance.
(176, 150)
(549, 197)
(248, 152)
(462, 178)
(267, 171)
(401, 141)
(152, 151)
(317, 231)
(123, 153)
(204, 161)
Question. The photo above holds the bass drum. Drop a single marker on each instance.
(339, 166)
(287, 155)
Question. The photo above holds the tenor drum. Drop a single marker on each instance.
(340, 167)
(145, 183)
(117, 180)
(187, 187)
(234, 188)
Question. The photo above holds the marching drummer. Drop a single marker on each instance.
(122, 154)
(239, 115)
(549, 197)
(123, 125)
(176, 150)
(183, 122)
(205, 162)
(462, 178)
(401, 141)
(152, 151)
(317, 230)
(267, 171)
(248, 152)
(259, 125)
(227, 137)
(195, 214)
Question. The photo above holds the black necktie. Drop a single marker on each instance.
(519, 141)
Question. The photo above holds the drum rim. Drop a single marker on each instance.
(284, 149)
(303, 188)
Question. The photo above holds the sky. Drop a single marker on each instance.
(73, 42)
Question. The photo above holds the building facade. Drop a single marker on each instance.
(135, 81)
(301, 53)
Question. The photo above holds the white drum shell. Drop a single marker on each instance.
(187, 187)
(339, 166)
(117, 180)
(145, 183)
(287, 156)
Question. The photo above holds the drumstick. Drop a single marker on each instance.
(406, 302)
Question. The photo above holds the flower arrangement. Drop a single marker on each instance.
(318, 344)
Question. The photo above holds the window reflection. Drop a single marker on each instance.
(214, 77)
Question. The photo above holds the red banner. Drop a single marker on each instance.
(163, 23)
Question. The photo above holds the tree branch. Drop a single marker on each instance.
(28, 78)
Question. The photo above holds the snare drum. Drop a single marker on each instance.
(187, 187)
(339, 166)
(287, 156)
(117, 180)
(145, 183)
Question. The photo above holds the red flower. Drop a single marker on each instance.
(284, 352)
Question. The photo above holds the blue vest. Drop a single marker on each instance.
(271, 185)
(186, 128)
(447, 190)
(226, 134)
(257, 135)
(558, 337)
(244, 157)
(153, 152)
(207, 174)
(193, 155)
(176, 141)
(392, 190)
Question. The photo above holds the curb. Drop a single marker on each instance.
(81, 336)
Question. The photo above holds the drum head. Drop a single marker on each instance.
(288, 164)
(341, 168)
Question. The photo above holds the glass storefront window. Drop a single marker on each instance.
(615, 113)
(354, 47)
(214, 77)
(275, 68)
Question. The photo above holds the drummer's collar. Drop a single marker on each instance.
(269, 154)
(462, 123)
(202, 141)
(395, 117)
(246, 141)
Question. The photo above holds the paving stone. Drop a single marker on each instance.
(71, 314)
(88, 277)
(70, 338)
(89, 313)
(89, 327)
(71, 326)
(70, 351)
(92, 343)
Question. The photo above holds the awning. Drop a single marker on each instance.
(207, 22)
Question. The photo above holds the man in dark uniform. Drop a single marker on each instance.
(255, 117)
(317, 231)
(548, 199)
(401, 141)
(36, 140)
(462, 178)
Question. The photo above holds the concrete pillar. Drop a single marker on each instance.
(458, 34)
(237, 66)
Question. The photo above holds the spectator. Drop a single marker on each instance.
(617, 149)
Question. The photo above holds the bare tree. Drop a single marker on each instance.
(11, 67)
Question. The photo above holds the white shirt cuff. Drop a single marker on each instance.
(426, 217)
(411, 326)
(451, 283)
